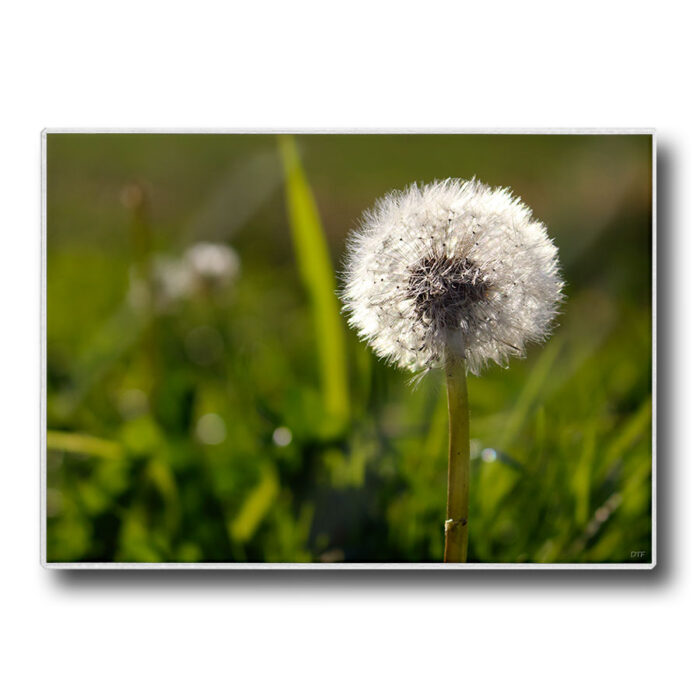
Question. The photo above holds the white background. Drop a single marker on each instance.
(428, 65)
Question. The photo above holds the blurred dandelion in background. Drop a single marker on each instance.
(204, 267)
(212, 264)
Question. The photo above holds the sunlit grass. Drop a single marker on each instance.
(316, 271)
(561, 442)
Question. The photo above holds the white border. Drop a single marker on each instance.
(341, 566)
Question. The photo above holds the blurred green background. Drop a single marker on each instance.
(209, 403)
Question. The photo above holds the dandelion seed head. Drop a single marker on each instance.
(202, 267)
(172, 280)
(451, 265)
(213, 262)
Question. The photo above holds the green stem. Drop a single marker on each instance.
(456, 525)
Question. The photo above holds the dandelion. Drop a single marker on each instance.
(452, 275)
(172, 280)
(203, 267)
(213, 264)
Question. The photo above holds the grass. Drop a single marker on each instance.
(561, 442)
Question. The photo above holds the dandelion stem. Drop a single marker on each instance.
(456, 525)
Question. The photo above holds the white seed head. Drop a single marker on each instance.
(170, 280)
(203, 266)
(451, 264)
(213, 262)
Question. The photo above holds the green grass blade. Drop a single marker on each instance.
(631, 431)
(316, 271)
(255, 507)
(83, 444)
(581, 477)
(530, 392)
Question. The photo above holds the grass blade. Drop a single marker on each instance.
(316, 271)
(255, 507)
(83, 444)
